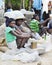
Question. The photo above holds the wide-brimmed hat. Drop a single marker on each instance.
(9, 15)
(14, 14)
(18, 15)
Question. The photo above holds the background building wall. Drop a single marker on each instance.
(2, 9)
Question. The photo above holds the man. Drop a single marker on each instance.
(37, 5)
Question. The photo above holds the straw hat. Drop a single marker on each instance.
(18, 15)
(14, 14)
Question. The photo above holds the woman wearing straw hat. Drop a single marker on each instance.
(19, 18)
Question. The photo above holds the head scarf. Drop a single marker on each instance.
(8, 20)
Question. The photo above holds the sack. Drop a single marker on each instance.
(3, 49)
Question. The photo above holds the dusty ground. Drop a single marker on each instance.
(46, 59)
(15, 63)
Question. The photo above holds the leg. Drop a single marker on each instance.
(23, 42)
(18, 41)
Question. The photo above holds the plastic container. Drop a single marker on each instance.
(34, 45)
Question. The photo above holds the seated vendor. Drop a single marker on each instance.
(21, 41)
(37, 26)
(34, 24)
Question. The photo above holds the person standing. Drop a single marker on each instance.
(9, 9)
(37, 6)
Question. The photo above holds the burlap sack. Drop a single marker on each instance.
(3, 49)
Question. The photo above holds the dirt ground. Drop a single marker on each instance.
(46, 59)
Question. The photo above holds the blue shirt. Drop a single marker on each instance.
(9, 10)
(50, 24)
(37, 4)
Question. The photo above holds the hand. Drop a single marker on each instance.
(25, 35)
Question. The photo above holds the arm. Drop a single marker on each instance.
(18, 32)
(45, 21)
(50, 31)
(17, 29)
(19, 36)
(28, 26)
